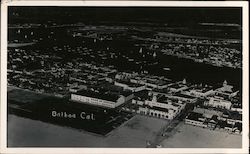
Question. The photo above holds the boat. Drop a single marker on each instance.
(154, 55)
(140, 51)
(166, 69)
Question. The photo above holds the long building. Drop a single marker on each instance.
(199, 92)
(151, 82)
(218, 102)
(126, 85)
(196, 119)
(102, 98)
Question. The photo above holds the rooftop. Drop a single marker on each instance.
(233, 115)
(166, 100)
(184, 96)
(195, 116)
(203, 89)
(177, 86)
(102, 94)
(158, 82)
(158, 108)
(142, 95)
(219, 95)
(130, 84)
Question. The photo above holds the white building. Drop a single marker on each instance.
(151, 82)
(183, 97)
(104, 99)
(218, 102)
(226, 90)
(177, 87)
(199, 92)
(157, 112)
(125, 75)
(134, 87)
(236, 108)
(159, 84)
(162, 108)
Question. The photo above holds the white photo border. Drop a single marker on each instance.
(245, 75)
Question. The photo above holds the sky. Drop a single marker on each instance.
(182, 15)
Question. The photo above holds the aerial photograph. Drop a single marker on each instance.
(124, 77)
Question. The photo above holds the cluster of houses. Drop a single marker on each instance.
(230, 121)
(162, 98)
(206, 52)
(221, 109)
(140, 93)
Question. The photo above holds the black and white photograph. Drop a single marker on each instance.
(125, 77)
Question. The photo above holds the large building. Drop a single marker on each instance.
(183, 97)
(102, 98)
(225, 97)
(207, 112)
(218, 102)
(125, 75)
(178, 87)
(127, 85)
(196, 119)
(199, 92)
(227, 90)
(160, 106)
(152, 82)
(231, 117)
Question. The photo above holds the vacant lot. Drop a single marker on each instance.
(134, 133)
(188, 136)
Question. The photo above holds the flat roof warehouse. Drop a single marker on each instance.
(105, 95)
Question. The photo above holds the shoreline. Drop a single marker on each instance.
(16, 45)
